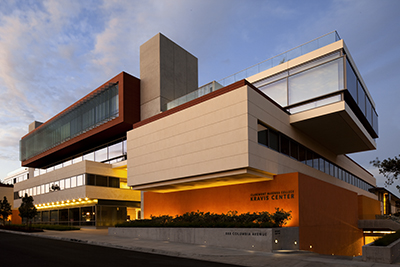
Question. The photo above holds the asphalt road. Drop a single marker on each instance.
(23, 250)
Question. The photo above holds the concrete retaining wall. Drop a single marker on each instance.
(381, 254)
(267, 239)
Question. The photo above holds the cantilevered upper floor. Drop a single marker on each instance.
(298, 112)
(100, 117)
(319, 84)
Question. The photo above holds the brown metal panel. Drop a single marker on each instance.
(129, 113)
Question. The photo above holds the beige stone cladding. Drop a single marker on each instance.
(92, 192)
(167, 72)
(263, 158)
(220, 135)
(206, 138)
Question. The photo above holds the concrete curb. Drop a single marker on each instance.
(131, 248)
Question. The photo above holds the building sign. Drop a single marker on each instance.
(250, 233)
(272, 196)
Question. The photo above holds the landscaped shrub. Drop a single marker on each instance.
(55, 227)
(387, 239)
(200, 219)
(38, 227)
(20, 228)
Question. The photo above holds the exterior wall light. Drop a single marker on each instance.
(295, 242)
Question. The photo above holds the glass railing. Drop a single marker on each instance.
(266, 64)
(303, 49)
(203, 90)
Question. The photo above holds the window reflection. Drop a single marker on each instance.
(316, 82)
(101, 155)
(287, 146)
(277, 91)
(115, 151)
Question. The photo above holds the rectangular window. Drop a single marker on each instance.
(42, 190)
(277, 91)
(89, 156)
(316, 82)
(38, 190)
(90, 179)
(361, 98)
(327, 167)
(101, 155)
(79, 180)
(115, 150)
(294, 150)
(262, 135)
(113, 182)
(310, 158)
(273, 140)
(321, 165)
(62, 184)
(77, 159)
(285, 145)
(73, 181)
(375, 121)
(67, 183)
(124, 144)
(101, 180)
(351, 81)
(368, 110)
(302, 154)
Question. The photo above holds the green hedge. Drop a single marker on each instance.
(387, 239)
(38, 227)
(55, 227)
(211, 220)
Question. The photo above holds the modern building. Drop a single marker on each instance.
(272, 136)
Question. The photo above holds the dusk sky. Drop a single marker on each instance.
(53, 53)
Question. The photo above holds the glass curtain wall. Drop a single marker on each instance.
(101, 107)
(287, 146)
(98, 215)
(319, 80)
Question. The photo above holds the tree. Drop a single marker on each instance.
(5, 209)
(389, 168)
(27, 209)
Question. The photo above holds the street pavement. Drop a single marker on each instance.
(32, 251)
(100, 237)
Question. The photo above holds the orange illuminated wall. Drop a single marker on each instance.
(328, 218)
(327, 215)
(251, 197)
(368, 208)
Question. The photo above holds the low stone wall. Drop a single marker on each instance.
(381, 254)
(259, 239)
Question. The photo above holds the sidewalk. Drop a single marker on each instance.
(100, 237)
